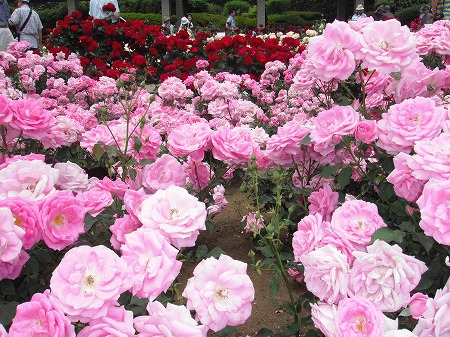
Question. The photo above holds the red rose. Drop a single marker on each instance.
(76, 15)
(109, 7)
(74, 28)
(138, 60)
(84, 61)
(247, 60)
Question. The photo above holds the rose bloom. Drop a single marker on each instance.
(405, 123)
(190, 139)
(164, 172)
(326, 273)
(199, 173)
(366, 131)
(357, 317)
(323, 201)
(32, 179)
(152, 262)
(434, 205)
(405, 184)
(116, 322)
(232, 145)
(386, 46)
(11, 270)
(253, 222)
(132, 201)
(3, 332)
(176, 213)
(220, 292)
(95, 200)
(324, 318)
(175, 320)
(357, 220)
(62, 216)
(10, 236)
(120, 228)
(385, 276)
(417, 305)
(151, 141)
(41, 316)
(71, 177)
(310, 231)
(87, 281)
(399, 333)
(220, 202)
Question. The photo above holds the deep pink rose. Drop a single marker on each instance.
(120, 228)
(323, 201)
(199, 174)
(232, 145)
(41, 316)
(116, 322)
(175, 320)
(310, 232)
(88, 281)
(366, 131)
(220, 292)
(417, 305)
(190, 139)
(5, 111)
(358, 317)
(152, 262)
(385, 276)
(326, 273)
(164, 172)
(176, 213)
(116, 187)
(434, 205)
(71, 177)
(10, 236)
(62, 216)
(10, 270)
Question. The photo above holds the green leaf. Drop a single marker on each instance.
(201, 251)
(274, 286)
(89, 221)
(329, 170)
(306, 140)
(344, 176)
(426, 241)
(137, 144)
(8, 311)
(293, 329)
(111, 150)
(227, 331)
(287, 256)
(97, 151)
(133, 174)
(312, 333)
(386, 191)
(268, 261)
(388, 235)
(266, 251)
(215, 252)
(264, 332)
(7, 287)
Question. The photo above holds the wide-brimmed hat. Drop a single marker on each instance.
(184, 20)
(360, 8)
(166, 19)
(425, 7)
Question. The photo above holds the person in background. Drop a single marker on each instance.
(230, 25)
(6, 36)
(190, 25)
(384, 13)
(101, 9)
(185, 24)
(31, 30)
(440, 9)
(168, 23)
(359, 13)
(425, 15)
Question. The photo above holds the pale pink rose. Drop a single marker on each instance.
(209, 89)
(417, 305)
(399, 333)
(323, 201)
(41, 316)
(253, 222)
(342, 244)
(360, 23)
(152, 262)
(10, 236)
(132, 201)
(32, 179)
(326, 273)
(220, 202)
(405, 184)
(173, 88)
(5, 111)
(310, 231)
(62, 219)
(150, 140)
(431, 158)
(410, 121)
(176, 213)
(71, 177)
(120, 228)
(88, 281)
(232, 145)
(175, 320)
(3, 332)
(357, 220)
(324, 318)
(29, 157)
(11, 270)
(199, 174)
(190, 139)
(116, 187)
(386, 46)
(359, 317)
(434, 205)
(30, 118)
(436, 319)
(164, 172)
(220, 292)
(116, 322)
(385, 276)
(366, 131)
(98, 134)
(95, 200)
(331, 55)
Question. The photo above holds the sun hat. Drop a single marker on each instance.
(360, 7)
(184, 20)
(166, 19)
(425, 7)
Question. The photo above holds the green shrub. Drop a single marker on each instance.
(140, 6)
(238, 5)
(197, 5)
(149, 18)
(277, 6)
(407, 15)
(288, 19)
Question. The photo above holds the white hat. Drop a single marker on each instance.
(360, 7)
(184, 20)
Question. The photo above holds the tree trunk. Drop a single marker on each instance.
(261, 13)
(341, 10)
(72, 5)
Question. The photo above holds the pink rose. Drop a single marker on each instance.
(410, 121)
(199, 174)
(11, 270)
(220, 292)
(62, 217)
(116, 187)
(399, 333)
(95, 200)
(116, 322)
(175, 320)
(10, 236)
(376, 275)
(417, 305)
(323, 201)
(151, 142)
(358, 317)
(434, 205)
(177, 214)
(324, 318)
(220, 202)
(71, 177)
(132, 201)
(98, 134)
(41, 316)
(173, 88)
(88, 281)
(120, 228)
(3, 332)
(310, 232)
(232, 145)
(164, 172)
(366, 131)
(152, 262)
(190, 139)
(5, 111)
(326, 273)
(253, 222)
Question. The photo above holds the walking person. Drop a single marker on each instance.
(230, 25)
(28, 24)
(6, 36)
(440, 9)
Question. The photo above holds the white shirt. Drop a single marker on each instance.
(95, 9)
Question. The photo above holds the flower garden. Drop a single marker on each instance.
(338, 136)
